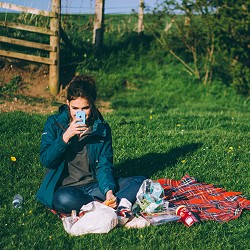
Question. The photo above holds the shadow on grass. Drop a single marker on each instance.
(151, 163)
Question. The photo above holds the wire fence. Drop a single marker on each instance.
(78, 15)
(84, 6)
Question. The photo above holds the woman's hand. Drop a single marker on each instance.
(74, 129)
(110, 199)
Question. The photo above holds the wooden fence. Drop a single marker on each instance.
(53, 48)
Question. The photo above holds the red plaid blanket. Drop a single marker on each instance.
(205, 200)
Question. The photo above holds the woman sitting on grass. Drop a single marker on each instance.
(79, 158)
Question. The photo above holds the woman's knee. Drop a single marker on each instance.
(67, 199)
(139, 179)
(135, 181)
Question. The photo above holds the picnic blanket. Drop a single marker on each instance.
(205, 200)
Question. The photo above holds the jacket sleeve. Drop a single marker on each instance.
(105, 168)
(52, 145)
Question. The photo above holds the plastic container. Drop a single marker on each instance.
(17, 201)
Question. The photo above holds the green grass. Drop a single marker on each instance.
(164, 126)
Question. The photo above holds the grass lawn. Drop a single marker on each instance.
(162, 127)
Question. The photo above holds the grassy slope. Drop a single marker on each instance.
(164, 126)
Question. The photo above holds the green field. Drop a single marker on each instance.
(156, 125)
(164, 124)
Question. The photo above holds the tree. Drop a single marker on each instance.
(209, 37)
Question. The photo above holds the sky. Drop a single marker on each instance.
(85, 6)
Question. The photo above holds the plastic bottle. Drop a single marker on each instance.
(17, 201)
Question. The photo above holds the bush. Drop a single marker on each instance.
(201, 32)
(241, 78)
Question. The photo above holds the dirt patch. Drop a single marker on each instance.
(34, 96)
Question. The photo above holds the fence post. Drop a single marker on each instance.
(98, 24)
(140, 17)
(55, 42)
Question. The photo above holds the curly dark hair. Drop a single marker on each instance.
(82, 86)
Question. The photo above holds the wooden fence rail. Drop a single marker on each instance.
(26, 9)
(53, 48)
(35, 29)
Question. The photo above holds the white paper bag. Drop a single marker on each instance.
(98, 218)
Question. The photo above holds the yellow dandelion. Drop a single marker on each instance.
(183, 161)
(13, 158)
(231, 148)
(151, 117)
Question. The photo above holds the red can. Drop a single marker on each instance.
(186, 216)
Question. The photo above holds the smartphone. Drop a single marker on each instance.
(80, 115)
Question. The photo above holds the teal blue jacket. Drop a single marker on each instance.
(53, 151)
